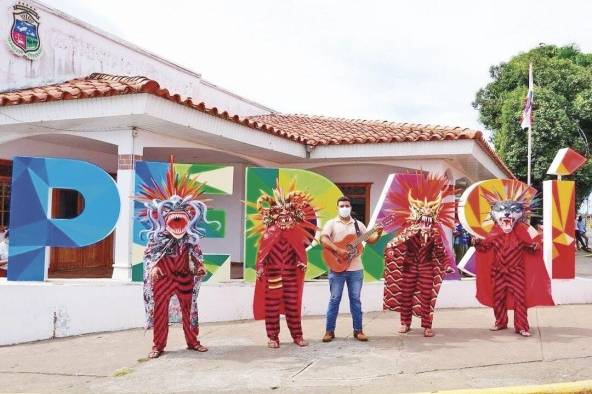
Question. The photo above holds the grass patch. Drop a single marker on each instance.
(122, 372)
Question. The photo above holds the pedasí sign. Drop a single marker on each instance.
(33, 230)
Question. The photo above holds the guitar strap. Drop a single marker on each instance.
(357, 227)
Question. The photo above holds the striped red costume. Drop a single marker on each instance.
(175, 216)
(511, 273)
(176, 279)
(279, 286)
(417, 259)
(286, 224)
(414, 270)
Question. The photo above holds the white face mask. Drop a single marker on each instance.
(344, 212)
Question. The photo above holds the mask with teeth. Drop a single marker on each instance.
(175, 208)
(177, 215)
(284, 211)
(424, 212)
(506, 214)
(511, 204)
(421, 200)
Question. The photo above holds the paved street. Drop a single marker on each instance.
(464, 354)
(584, 264)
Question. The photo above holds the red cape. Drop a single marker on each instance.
(266, 243)
(538, 284)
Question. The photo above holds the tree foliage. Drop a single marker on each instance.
(562, 110)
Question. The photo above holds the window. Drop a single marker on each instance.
(359, 193)
(5, 182)
(4, 202)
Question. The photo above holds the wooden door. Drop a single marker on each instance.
(359, 194)
(93, 261)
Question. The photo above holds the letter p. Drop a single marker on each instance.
(32, 229)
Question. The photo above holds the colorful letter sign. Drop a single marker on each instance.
(559, 215)
(32, 229)
(325, 194)
(218, 181)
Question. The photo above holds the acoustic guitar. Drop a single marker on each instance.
(353, 244)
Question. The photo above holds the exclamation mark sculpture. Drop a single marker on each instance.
(559, 215)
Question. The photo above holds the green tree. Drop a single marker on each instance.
(562, 111)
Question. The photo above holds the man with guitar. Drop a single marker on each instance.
(342, 239)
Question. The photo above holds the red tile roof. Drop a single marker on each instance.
(310, 130)
(103, 85)
(321, 130)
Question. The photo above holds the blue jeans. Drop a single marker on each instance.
(354, 280)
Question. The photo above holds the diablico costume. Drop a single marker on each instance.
(173, 262)
(511, 273)
(286, 224)
(417, 258)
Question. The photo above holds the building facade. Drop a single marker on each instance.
(81, 93)
(94, 97)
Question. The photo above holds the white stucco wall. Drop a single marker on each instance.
(35, 311)
(349, 173)
(35, 148)
(73, 49)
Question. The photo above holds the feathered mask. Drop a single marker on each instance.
(176, 206)
(285, 211)
(419, 199)
(514, 204)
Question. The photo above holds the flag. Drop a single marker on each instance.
(526, 119)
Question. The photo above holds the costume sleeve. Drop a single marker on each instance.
(150, 253)
(482, 245)
(529, 242)
(403, 236)
(440, 252)
(531, 247)
(196, 256)
(260, 264)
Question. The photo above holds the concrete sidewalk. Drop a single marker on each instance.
(464, 354)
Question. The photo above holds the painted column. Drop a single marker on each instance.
(128, 154)
(559, 217)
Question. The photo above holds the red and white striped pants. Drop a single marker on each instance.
(163, 289)
(506, 284)
(417, 278)
(282, 287)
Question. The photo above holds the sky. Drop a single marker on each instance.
(403, 61)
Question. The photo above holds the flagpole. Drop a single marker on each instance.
(530, 88)
(529, 152)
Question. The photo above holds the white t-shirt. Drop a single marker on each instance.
(336, 230)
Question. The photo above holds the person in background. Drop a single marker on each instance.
(537, 223)
(581, 239)
(461, 241)
(4, 254)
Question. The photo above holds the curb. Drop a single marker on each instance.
(583, 386)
